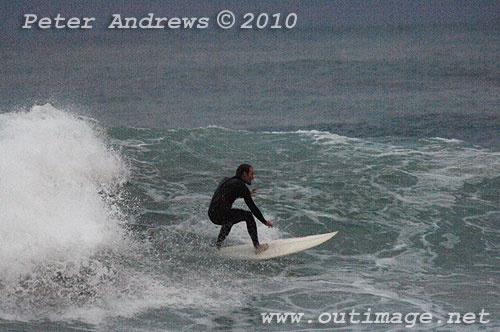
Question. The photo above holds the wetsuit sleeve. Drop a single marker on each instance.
(255, 210)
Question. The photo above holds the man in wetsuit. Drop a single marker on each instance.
(222, 213)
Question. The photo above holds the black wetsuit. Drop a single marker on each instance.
(222, 213)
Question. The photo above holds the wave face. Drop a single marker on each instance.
(417, 219)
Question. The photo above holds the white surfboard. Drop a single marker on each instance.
(276, 248)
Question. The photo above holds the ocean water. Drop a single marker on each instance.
(113, 145)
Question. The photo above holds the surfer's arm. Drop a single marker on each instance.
(255, 210)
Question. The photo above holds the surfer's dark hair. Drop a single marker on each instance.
(243, 168)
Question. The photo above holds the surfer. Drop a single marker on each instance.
(221, 211)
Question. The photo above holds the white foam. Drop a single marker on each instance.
(56, 177)
(451, 241)
(446, 140)
(327, 138)
(52, 168)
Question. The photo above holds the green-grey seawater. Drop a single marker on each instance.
(110, 157)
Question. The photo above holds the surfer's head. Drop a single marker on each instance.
(245, 172)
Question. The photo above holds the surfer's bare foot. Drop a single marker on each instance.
(261, 248)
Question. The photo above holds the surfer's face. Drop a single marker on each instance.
(248, 176)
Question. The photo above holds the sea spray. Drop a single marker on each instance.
(62, 238)
(52, 171)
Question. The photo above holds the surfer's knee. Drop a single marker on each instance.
(249, 216)
(251, 224)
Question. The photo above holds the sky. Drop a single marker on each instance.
(336, 13)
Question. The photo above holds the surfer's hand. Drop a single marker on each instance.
(252, 192)
(269, 224)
